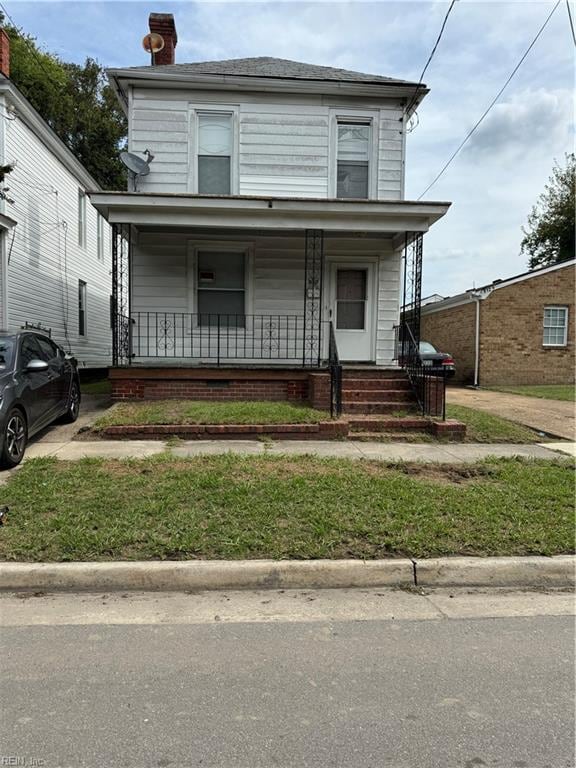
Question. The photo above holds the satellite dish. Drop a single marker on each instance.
(137, 166)
(153, 43)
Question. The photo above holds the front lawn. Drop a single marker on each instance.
(203, 412)
(482, 427)
(550, 391)
(235, 507)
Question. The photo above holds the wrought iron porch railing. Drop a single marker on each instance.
(335, 374)
(429, 386)
(218, 338)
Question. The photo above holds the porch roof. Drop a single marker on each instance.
(254, 212)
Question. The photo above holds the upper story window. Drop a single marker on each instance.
(555, 326)
(215, 147)
(81, 218)
(353, 158)
(81, 308)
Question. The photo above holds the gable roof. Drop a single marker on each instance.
(485, 290)
(269, 66)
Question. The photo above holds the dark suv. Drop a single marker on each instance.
(38, 384)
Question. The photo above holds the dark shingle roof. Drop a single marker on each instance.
(268, 66)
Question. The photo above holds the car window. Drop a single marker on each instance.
(48, 348)
(6, 353)
(29, 350)
(426, 348)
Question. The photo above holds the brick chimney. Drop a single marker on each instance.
(4, 53)
(163, 24)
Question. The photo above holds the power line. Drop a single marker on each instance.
(571, 21)
(500, 92)
(31, 48)
(415, 94)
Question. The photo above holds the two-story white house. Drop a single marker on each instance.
(55, 248)
(271, 228)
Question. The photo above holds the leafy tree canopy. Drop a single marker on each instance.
(76, 102)
(549, 237)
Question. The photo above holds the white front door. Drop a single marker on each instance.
(352, 309)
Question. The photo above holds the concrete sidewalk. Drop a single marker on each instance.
(425, 452)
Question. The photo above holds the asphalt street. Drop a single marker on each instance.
(259, 679)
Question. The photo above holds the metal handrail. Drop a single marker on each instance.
(429, 386)
(335, 374)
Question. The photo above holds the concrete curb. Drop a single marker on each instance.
(290, 574)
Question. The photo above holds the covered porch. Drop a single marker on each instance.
(251, 283)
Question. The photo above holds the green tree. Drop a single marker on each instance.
(76, 102)
(550, 235)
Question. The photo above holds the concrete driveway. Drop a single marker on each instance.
(554, 417)
(91, 407)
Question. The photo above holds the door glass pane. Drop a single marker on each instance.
(213, 175)
(350, 315)
(351, 284)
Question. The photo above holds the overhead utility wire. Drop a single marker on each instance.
(571, 21)
(415, 94)
(494, 100)
(31, 48)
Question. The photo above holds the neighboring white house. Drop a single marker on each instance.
(55, 248)
(273, 214)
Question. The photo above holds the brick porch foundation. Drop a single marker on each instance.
(219, 384)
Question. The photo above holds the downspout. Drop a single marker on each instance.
(477, 298)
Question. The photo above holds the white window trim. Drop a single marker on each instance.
(100, 245)
(564, 308)
(362, 115)
(82, 218)
(226, 109)
(83, 336)
(194, 246)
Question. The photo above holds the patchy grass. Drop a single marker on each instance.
(236, 507)
(549, 391)
(486, 428)
(202, 412)
(99, 387)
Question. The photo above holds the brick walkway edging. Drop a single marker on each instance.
(507, 572)
(323, 430)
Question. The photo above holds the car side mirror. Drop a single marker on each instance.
(34, 366)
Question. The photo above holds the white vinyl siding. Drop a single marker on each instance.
(555, 326)
(282, 141)
(45, 290)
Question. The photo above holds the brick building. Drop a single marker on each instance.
(514, 331)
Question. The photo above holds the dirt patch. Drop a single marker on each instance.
(448, 474)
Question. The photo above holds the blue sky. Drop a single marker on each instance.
(499, 174)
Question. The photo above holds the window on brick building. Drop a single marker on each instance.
(555, 326)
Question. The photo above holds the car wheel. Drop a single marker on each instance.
(73, 408)
(14, 439)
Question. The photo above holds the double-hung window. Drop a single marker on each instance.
(221, 289)
(555, 326)
(214, 152)
(353, 151)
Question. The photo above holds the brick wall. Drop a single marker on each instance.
(511, 321)
(453, 331)
(138, 384)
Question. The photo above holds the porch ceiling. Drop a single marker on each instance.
(243, 212)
